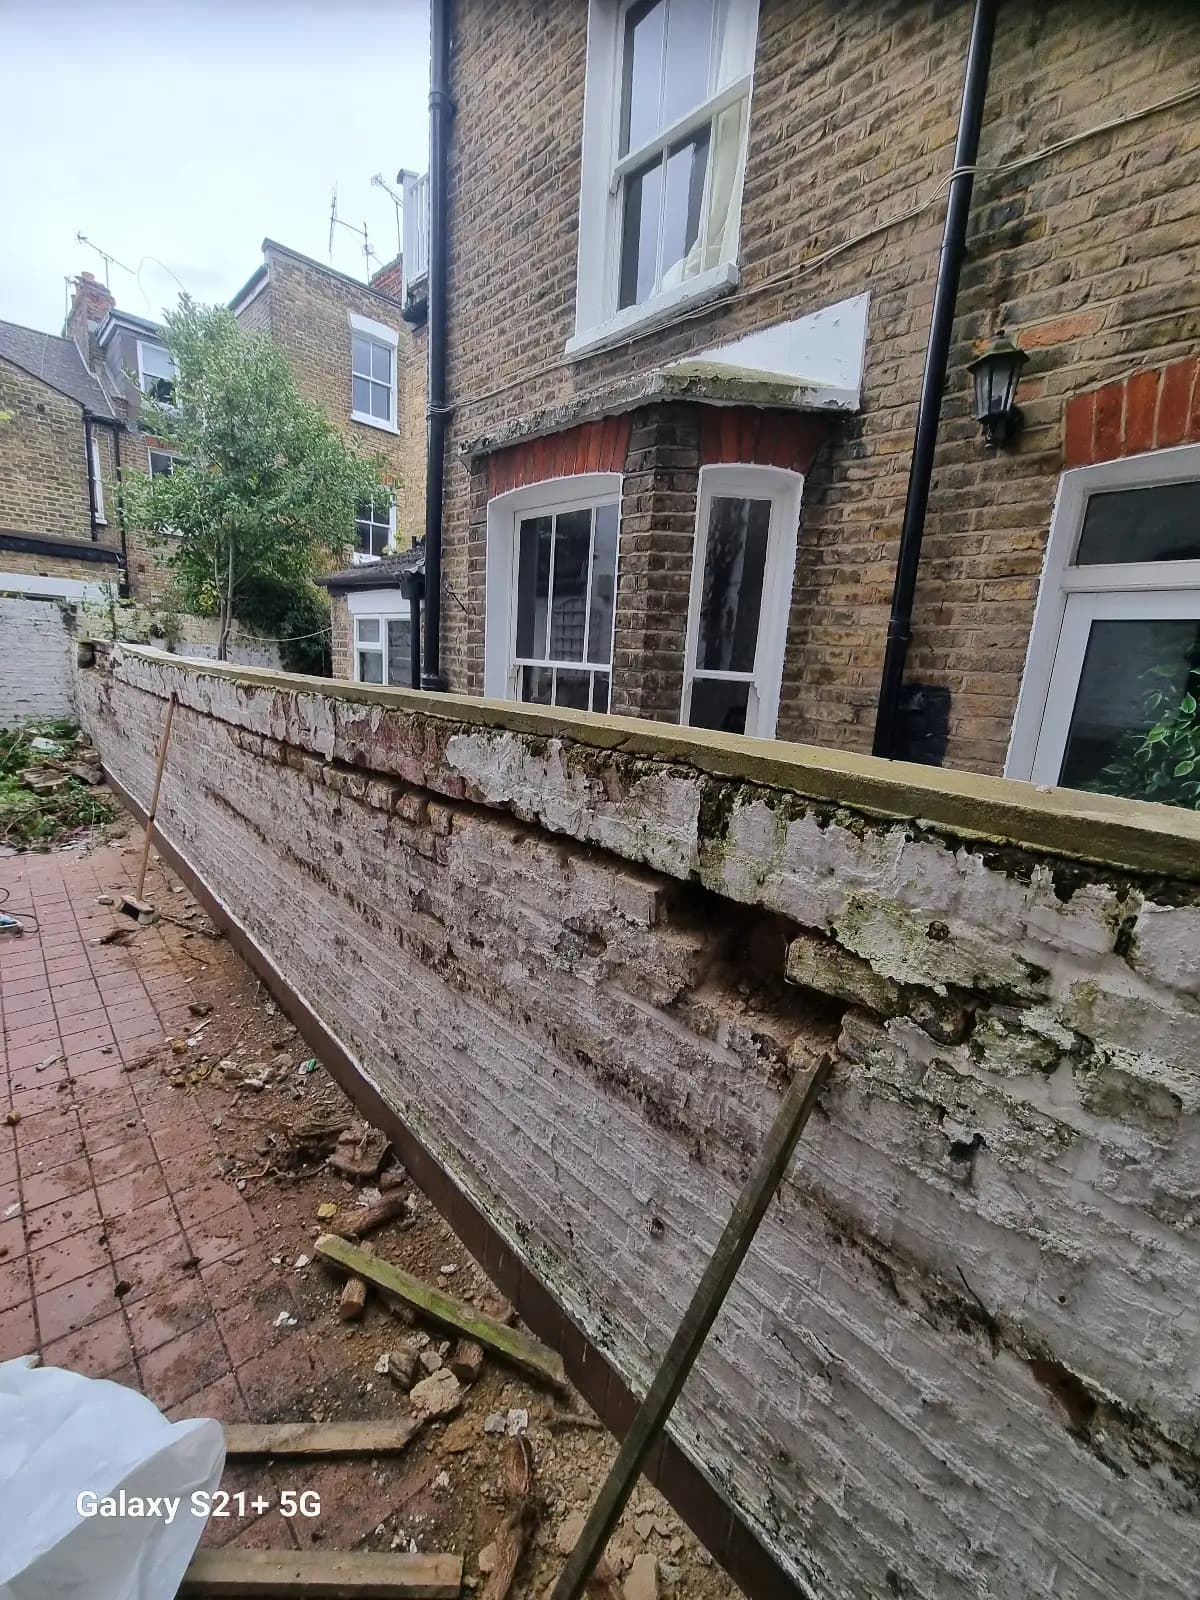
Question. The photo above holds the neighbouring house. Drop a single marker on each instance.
(60, 429)
(690, 273)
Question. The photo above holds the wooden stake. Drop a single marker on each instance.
(320, 1438)
(153, 812)
(714, 1285)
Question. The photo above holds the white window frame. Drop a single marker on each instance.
(505, 512)
(98, 517)
(1071, 597)
(598, 322)
(153, 344)
(375, 605)
(380, 333)
(784, 489)
(153, 450)
(361, 558)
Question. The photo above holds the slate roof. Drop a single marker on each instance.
(56, 362)
(384, 574)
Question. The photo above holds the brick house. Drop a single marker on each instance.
(60, 426)
(690, 269)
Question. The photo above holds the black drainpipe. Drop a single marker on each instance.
(439, 138)
(933, 380)
(412, 587)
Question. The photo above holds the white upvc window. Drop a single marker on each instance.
(742, 571)
(374, 528)
(373, 347)
(162, 462)
(156, 371)
(1110, 693)
(98, 516)
(551, 592)
(382, 624)
(666, 115)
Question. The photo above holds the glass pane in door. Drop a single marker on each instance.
(718, 703)
(399, 651)
(735, 561)
(1135, 727)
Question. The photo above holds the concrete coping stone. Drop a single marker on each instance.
(1133, 835)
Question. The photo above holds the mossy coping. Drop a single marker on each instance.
(1133, 835)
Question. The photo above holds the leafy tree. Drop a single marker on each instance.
(1161, 762)
(263, 493)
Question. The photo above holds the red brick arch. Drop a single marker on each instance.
(1148, 410)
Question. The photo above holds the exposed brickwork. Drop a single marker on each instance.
(342, 642)
(580, 975)
(1090, 252)
(591, 447)
(1149, 410)
(43, 462)
(55, 566)
(745, 435)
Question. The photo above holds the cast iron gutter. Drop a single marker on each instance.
(933, 380)
(435, 458)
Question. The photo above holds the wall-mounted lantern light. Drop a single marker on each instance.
(996, 373)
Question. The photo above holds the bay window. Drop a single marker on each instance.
(742, 570)
(551, 593)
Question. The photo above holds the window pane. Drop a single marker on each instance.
(604, 577)
(573, 689)
(686, 166)
(1135, 729)
(536, 685)
(720, 242)
(381, 402)
(381, 363)
(600, 691)
(370, 666)
(689, 49)
(641, 92)
(639, 234)
(161, 464)
(368, 630)
(533, 585)
(399, 647)
(720, 705)
(568, 624)
(731, 595)
(361, 354)
(362, 396)
(1156, 524)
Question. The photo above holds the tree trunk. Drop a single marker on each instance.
(226, 610)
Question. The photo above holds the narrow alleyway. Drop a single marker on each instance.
(155, 1229)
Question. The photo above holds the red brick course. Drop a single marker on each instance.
(1149, 410)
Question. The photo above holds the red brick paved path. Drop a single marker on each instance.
(115, 1184)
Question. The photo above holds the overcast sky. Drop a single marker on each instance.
(189, 130)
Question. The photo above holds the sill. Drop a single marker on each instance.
(373, 422)
(713, 285)
(360, 558)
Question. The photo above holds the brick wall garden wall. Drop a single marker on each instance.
(1088, 257)
(579, 962)
(37, 676)
(43, 465)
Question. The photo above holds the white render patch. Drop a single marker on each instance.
(822, 354)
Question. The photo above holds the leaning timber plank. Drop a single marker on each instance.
(319, 1438)
(528, 1355)
(322, 1575)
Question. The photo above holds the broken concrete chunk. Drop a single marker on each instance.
(431, 1360)
(403, 1369)
(516, 1422)
(495, 1423)
(568, 1533)
(642, 1582)
(437, 1396)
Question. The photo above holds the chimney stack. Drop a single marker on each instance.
(90, 304)
(389, 280)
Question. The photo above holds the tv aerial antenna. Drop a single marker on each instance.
(106, 256)
(335, 221)
(378, 182)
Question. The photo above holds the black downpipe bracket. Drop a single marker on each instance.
(439, 139)
(933, 380)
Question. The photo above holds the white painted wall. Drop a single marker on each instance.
(37, 646)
